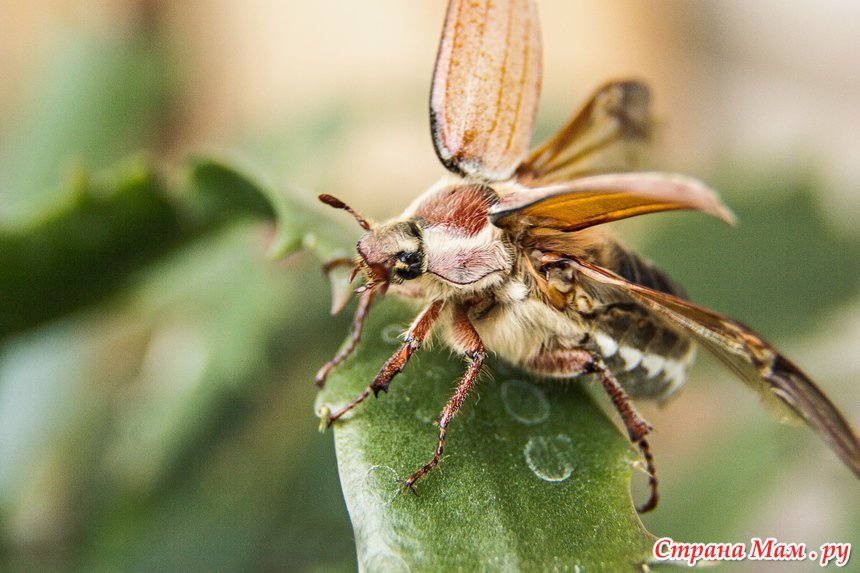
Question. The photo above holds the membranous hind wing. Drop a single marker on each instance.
(486, 86)
(787, 391)
(609, 134)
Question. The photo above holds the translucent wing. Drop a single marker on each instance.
(607, 135)
(784, 387)
(486, 85)
(598, 199)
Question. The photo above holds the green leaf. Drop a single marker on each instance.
(301, 222)
(535, 477)
(758, 260)
(110, 224)
(84, 246)
(221, 192)
(177, 422)
(93, 99)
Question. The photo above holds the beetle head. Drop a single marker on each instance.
(389, 252)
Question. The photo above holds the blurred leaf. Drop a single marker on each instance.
(84, 247)
(226, 456)
(300, 222)
(535, 476)
(107, 226)
(221, 193)
(174, 432)
(94, 100)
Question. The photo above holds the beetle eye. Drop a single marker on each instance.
(410, 259)
(413, 261)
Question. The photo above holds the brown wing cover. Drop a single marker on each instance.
(486, 85)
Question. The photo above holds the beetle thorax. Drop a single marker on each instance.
(442, 246)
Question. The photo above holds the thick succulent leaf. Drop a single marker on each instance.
(535, 477)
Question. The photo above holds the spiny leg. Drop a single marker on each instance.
(468, 338)
(415, 336)
(637, 427)
(357, 324)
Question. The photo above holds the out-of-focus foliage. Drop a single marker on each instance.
(95, 102)
(155, 365)
(782, 249)
(155, 429)
(104, 228)
(793, 278)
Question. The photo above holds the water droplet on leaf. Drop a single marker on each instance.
(526, 403)
(551, 458)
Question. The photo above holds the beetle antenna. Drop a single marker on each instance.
(338, 204)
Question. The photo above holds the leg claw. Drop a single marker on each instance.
(379, 388)
(409, 485)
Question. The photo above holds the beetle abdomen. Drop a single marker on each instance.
(648, 359)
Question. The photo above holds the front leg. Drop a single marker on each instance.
(415, 336)
(357, 325)
(467, 338)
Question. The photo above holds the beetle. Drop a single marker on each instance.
(508, 255)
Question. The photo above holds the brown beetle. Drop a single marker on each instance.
(507, 255)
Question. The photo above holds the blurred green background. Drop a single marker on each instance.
(156, 395)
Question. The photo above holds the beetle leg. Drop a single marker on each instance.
(415, 336)
(340, 283)
(575, 361)
(468, 338)
(637, 427)
(357, 325)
